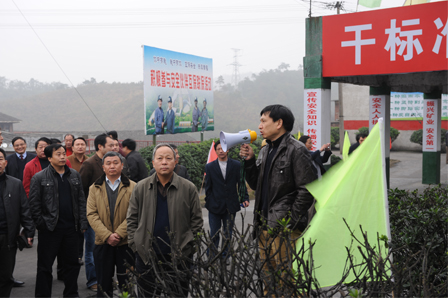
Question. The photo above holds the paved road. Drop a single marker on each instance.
(405, 174)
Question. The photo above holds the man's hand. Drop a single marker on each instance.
(30, 242)
(113, 239)
(246, 152)
(325, 147)
(246, 204)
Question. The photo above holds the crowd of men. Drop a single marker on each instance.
(107, 210)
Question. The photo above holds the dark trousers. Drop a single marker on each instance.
(50, 244)
(106, 258)
(7, 262)
(177, 283)
(216, 221)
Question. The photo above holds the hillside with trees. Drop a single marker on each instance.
(58, 107)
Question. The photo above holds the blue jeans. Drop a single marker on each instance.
(216, 221)
(89, 237)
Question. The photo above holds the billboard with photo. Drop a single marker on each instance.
(178, 92)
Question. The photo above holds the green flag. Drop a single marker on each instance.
(346, 147)
(370, 3)
(354, 190)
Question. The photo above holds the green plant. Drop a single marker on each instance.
(335, 159)
(194, 157)
(394, 134)
(334, 136)
(363, 130)
(417, 136)
(418, 224)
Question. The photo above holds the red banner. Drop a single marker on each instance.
(396, 40)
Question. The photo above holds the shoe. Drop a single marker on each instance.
(94, 287)
(80, 261)
(18, 283)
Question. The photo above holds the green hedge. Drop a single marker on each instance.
(419, 228)
(194, 157)
(417, 136)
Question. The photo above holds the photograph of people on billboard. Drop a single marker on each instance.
(178, 92)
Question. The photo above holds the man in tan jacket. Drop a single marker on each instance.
(163, 218)
(107, 207)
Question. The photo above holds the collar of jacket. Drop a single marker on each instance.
(3, 176)
(278, 141)
(153, 181)
(53, 171)
(124, 180)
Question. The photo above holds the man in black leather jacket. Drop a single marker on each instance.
(14, 211)
(279, 178)
(58, 208)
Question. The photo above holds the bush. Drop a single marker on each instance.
(394, 134)
(363, 130)
(418, 249)
(417, 136)
(334, 136)
(419, 228)
(194, 156)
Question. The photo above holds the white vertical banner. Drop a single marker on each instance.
(377, 109)
(317, 114)
(431, 133)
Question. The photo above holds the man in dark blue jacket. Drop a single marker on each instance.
(14, 211)
(222, 177)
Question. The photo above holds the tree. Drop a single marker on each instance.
(220, 82)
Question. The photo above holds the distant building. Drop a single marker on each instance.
(6, 122)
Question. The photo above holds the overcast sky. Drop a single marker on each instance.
(102, 39)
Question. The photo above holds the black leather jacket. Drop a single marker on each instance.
(44, 199)
(17, 209)
(290, 171)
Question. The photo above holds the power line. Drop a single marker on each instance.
(54, 59)
(157, 24)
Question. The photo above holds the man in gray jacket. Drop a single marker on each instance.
(163, 218)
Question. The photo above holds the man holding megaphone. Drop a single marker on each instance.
(279, 176)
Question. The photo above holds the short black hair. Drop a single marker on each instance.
(216, 144)
(3, 151)
(100, 140)
(173, 146)
(360, 135)
(43, 139)
(55, 141)
(130, 144)
(304, 139)
(280, 112)
(113, 133)
(51, 148)
(69, 134)
(79, 138)
(17, 138)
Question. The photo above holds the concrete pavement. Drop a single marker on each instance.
(405, 174)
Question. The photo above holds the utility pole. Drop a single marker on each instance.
(236, 65)
(340, 97)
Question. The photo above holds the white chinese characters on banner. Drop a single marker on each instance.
(358, 42)
(409, 106)
(430, 131)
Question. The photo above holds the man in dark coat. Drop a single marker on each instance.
(58, 208)
(14, 211)
(137, 167)
(17, 161)
(279, 176)
(222, 179)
